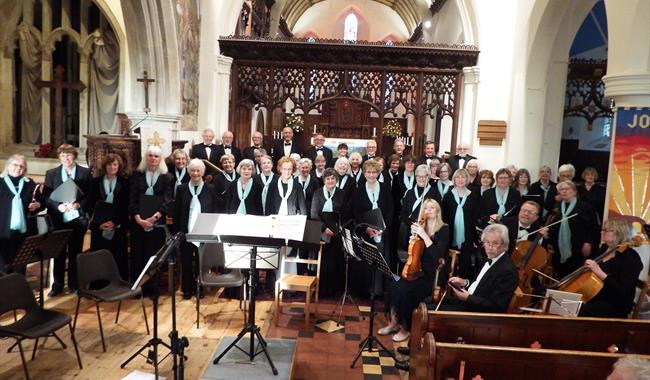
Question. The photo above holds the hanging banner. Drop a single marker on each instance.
(629, 173)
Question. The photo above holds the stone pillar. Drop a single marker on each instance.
(222, 93)
(467, 131)
(628, 83)
(84, 75)
(46, 71)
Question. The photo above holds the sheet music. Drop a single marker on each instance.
(291, 227)
(136, 284)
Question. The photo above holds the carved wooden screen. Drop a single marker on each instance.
(346, 90)
(585, 91)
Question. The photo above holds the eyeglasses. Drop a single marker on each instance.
(491, 243)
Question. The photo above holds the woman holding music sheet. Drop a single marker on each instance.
(20, 197)
(328, 206)
(110, 218)
(500, 200)
(150, 196)
(372, 195)
(406, 295)
(67, 215)
(192, 198)
(244, 196)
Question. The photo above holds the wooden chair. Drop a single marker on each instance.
(297, 283)
(642, 298)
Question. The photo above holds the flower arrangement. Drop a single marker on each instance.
(45, 151)
(296, 123)
(392, 129)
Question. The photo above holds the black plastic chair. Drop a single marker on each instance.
(36, 323)
(99, 268)
(211, 257)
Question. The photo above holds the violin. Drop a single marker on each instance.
(436, 288)
(413, 268)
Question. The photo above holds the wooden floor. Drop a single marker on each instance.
(220, 317)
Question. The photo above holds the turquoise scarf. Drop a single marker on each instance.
(243, 192)
(327, 206)
(18, 222)
(266, 181)
(374, 197)
(71, 215)
(459, 218)
(564, 241)
(151, 180)
(501, 200)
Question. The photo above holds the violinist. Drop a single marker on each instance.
(619, 273)
(527, 221)
(491, 290)
(406, 295)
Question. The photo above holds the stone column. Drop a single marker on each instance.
(467, 131)
(84, 75)
(46, 71)
(628, 83)
(222, 93)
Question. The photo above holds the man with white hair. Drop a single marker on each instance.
(206, 151)
(226, 147)
(461, 158)
(249, 152)
(371, 150)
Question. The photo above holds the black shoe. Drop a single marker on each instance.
(402, 366)
(55, 291)
(404, 350)
(187, 295)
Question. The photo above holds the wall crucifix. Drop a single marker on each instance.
(145, 82)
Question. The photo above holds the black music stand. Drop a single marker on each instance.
(371, 255)
(348, 252)
(41, 248)
(204, 232)
(152, 271)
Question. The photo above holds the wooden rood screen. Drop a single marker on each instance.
(345, 89)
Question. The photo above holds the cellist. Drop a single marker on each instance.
(619, 273)
(406, 295)
(524, 224)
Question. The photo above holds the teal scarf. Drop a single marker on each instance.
(459, 218)
(71, 215)
(327, 206)
(343, 180)
(18, 222)
(443, 187)
(419, 197)
(374, 198)
(195, 205)
(501, 200)
(409, 181)
(109, 187)
(179, 178)
(242, 193)
(151, 180)
(564, 241)
(266, 181)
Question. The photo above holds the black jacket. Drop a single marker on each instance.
(296, 204)
(253, 201)
(53, 180)
(6, 197)
(233, 150)
(488, 204)
(453, 162)
(278, 149)
(362, 204)
(162, 188)
(198, 151)
(120, 200)
(310, 153)
(470, 209)
(493, 293)
(181, 212)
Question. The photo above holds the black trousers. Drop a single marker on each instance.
(8, 251)
(69, 254)
(144, 245)
(189, 267)
(118, 247)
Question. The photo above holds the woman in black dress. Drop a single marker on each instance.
(619, 273)
(522, 181)
(307, 182)
(179, 168)
(244, 196)
(19, 196)
(369, 196)
(355, 166)
(224, 178)
(346, 184)
(592, 192)
(406, 295)
(413, 201)
(111, 186)
(459, 210)
(147, 235)
(329, 199)
(499, 201)
(474, 183)
(192, 198)
(266, 180)
(545, 188)
(320, 163)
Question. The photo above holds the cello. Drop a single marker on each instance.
(413, 268)
(584, 281)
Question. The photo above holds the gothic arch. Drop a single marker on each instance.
(363, 29)
(57, 35)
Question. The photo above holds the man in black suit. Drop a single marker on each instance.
(206, 151)
(286, 146)
(493, 287)
(319, 149)
(429, 153)
(527, 221)
(461, 158)
(399, 147)
(249, 152)
(226, 147)
(70, 215)
(371, 150)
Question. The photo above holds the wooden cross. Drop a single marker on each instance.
(145, 82)
(59, 85)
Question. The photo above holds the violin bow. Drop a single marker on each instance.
(554, 223)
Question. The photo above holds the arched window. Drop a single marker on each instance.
(350, 27)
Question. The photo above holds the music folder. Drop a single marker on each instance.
(149, 205)
(375, 219)
(331, 221)
(103, 212)
(66, 192)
